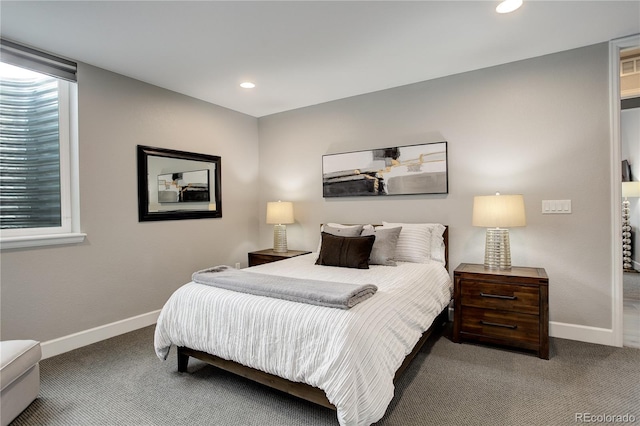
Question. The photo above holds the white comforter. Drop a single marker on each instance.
(350, 354)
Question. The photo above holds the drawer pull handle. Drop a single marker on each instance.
(495, 324)
(497, 296)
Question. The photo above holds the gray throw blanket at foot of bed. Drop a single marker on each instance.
(315, 292)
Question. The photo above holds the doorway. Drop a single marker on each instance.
(626, 156)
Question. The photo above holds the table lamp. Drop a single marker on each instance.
(629, 189)
(497, 213)
(279, 213)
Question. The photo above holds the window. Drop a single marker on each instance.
(38, 149)
(630, 66)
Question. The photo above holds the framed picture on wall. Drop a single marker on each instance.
(626, 171)
(176, 185)
(399, 170)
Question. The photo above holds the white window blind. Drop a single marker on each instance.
(38, 61)
(38, 152)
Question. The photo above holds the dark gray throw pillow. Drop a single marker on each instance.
(346, 252)
(384, 248)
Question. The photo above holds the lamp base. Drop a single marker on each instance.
(627, 259)
(280, 238)
(497, 250)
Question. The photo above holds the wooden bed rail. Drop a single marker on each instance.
(300, 390)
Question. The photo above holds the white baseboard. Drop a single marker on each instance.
(582, 333)
(83, 338)
(602, 336)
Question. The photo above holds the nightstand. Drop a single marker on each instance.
(267, 256)
(508, 307)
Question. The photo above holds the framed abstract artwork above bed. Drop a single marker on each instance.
(400, 170)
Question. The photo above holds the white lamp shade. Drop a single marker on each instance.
(498, 211)
(631, 189)
(279, 212)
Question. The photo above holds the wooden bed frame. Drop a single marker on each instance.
(303, 390)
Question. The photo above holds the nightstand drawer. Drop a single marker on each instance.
(257, 259)
(521, 328)
(507, 297)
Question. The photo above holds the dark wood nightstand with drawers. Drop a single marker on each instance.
(267, 256)
(508, 307)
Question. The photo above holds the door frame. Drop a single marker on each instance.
(615, 46)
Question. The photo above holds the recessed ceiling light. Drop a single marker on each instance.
(247, 85)
(508, 6)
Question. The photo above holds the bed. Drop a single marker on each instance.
(343, 359)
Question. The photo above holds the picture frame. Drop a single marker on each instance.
(399, 170)
(175, 185)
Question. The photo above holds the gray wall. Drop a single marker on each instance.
(539, 127)
(126, 268)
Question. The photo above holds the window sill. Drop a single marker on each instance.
(41, 240)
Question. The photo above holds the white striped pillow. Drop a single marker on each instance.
(414, 242)
(419, 242)
(437, 242)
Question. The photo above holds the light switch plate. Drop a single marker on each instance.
(556, 206)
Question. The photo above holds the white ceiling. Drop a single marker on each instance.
(301, 53)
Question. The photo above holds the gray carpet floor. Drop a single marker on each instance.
(121, 382)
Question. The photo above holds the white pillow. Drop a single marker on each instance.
(340, 230)
(419, 242)
(414, 242)
(437, 243)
